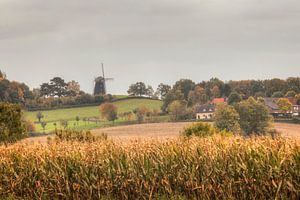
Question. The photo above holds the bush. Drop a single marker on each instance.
(80, 136)
(199, 129)
(12, 127)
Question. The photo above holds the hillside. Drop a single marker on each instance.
(55, 116)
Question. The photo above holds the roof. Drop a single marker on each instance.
(271, 103)
(206, 108)
(218, 100)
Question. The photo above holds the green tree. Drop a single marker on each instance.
(109, 111)
(284, 105)
(77, 119)
(227, 118)
(290, 93)
(234, 98)
(137, 89)
(277, 94)
(177, 109)
(12, 127)
(254, 116)
(184, 86)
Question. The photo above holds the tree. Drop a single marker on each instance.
(39, 116)
(73, 88)
(44, 124)
(297, 99)
(109, 111)
(284, 105)
(77, 119)
(290, 93)
(163, 90)
(277, 94)
(227, 118)
(64, 123)
(177, 109)
(215, 91)
(274, 85)
(137, 89)
(254, 116)
(55, 88)
(293, 83)
(140, 113)
(197, 96)
(58, 87)
(149, 91)
(12, 127)
(184, 86)
(234, 98)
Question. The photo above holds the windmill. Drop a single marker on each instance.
(100, 83)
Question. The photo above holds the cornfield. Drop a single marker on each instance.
(197, 168)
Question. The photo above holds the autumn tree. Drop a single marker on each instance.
(141, 113)
(177, 110)
(73, 88)
(284, 105)
(197, 96)
(109, 111)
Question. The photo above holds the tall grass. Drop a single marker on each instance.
(196, 168)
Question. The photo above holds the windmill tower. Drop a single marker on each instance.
(100, 83)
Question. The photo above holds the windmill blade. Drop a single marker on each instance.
(103, 70)
(109, 79)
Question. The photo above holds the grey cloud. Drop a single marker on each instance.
(151, 40)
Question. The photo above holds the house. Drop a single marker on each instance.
(274, 109)
(205, 112)
(295, 107)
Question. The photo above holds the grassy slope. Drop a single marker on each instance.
(70, 114)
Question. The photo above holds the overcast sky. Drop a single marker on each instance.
(148, 40)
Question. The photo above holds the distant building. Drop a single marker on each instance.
(274, 109)
(204, 112)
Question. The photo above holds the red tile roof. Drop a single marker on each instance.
(218, 100)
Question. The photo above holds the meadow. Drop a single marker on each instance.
(89, 112)
(180, 168)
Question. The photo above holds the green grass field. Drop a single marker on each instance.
(69, 114)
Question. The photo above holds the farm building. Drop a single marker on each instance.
(205, 111)
(271, 103)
